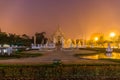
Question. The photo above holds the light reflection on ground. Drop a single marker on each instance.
(103, 56)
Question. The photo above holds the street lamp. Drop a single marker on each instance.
(112, 34)
(96, 38)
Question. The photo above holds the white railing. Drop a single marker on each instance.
(6, 50)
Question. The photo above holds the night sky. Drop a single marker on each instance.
(75, 17)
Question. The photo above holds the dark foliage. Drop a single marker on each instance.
(41, 38)
(60, 72)
(13, 39)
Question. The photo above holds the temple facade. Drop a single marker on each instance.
(58, 36)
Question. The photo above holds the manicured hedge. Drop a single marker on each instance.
(60, 72)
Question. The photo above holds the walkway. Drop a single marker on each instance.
(48, 57)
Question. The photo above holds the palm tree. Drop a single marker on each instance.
(26, 41)
(3, 38)
(41, 38)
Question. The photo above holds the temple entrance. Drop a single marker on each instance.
(59, 43)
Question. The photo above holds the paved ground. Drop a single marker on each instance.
(48, 57)
(65, 56)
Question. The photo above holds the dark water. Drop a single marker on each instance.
(102, 56)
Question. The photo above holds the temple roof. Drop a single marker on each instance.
(58, 32)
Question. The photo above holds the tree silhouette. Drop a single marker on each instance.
(41, 38)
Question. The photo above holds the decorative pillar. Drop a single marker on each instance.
(34, 40)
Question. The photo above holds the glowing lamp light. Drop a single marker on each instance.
(96, 38)
(112, 34)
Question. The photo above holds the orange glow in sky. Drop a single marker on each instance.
(75, 17)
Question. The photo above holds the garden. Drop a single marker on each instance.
(60, 72)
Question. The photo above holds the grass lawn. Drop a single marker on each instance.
(86, 52)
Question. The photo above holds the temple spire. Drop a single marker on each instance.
(59, 28)
(58, 36)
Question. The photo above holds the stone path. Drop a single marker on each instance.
(48, 57)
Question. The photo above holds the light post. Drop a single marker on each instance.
(96, 39)
(112, 35)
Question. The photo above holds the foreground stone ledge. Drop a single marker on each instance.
(65, 78)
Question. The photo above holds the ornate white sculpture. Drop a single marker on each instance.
(62, 40)
(109, 49)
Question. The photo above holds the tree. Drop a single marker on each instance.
(118, 41)
(90, 42)
(14, 39)
(26, 41)
(41, 38)
(101, 40)
(3, 38)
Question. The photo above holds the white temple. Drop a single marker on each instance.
(58, 36)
